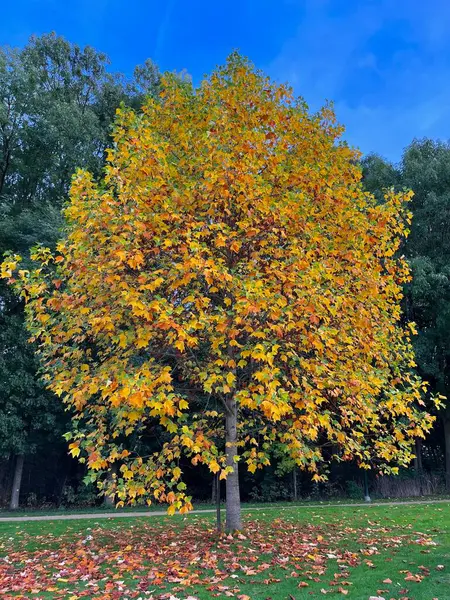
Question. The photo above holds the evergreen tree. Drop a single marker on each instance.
(425, 169)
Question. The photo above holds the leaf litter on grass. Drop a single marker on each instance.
(169, 561)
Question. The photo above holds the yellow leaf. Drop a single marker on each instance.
(214, 466)
(74, 449)
(179, 344)
(127, 474)
(230, 378)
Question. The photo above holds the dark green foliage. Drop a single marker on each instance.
(378, 175)
(28, 413)
(424, 168)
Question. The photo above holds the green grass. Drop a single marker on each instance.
(282, 547)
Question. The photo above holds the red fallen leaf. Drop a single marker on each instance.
(303, 584)
(343, 591)
(411, 577)
(243, 597)
(387, 580)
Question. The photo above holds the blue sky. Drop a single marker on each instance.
(384, 63)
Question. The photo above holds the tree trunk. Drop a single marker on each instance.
(446, 421)
(217, 494)
(5, 481)
(233, 500)
(418, 464)
(18, 470)
(294, 481)
(213, 491)
(366, 488)
(418, 460)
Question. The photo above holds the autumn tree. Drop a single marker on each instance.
(229, 280)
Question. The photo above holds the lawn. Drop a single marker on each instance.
(393, 552)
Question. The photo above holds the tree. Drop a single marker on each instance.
(57, 103)
(425, 169)
(229, 279)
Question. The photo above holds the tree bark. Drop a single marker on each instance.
(217, 493)
(418, 460)
(446, 421)
(5, 481)
(418, 464)
(18, 471)
(213, 491)
(233, 500)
